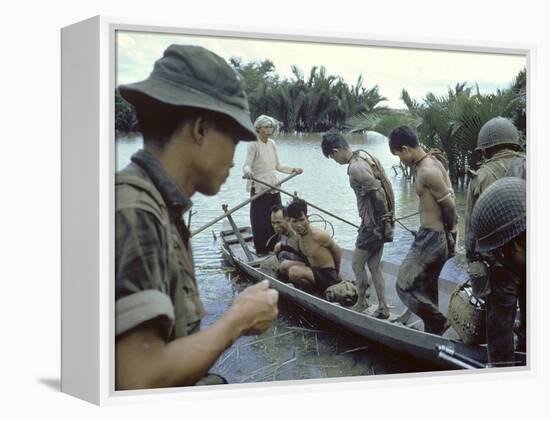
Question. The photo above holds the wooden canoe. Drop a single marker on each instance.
(445, 351)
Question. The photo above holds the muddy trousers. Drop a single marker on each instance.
(506, 291)
(260, 219)
(417, 280)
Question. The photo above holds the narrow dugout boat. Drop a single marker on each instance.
(445, 351)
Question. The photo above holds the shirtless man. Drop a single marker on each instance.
(322, 253)
(417, 280)
(285, 241)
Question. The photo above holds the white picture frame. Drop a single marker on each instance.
(88, 167)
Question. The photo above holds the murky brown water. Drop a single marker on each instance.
(298, 346)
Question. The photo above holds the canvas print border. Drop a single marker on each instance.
(97, 383)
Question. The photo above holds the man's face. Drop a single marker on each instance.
(337, 155)
(217, 150)
(300, 224)
(405, 155)
(279, 222)
(265, 131)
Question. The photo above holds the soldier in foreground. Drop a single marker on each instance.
(192, 112)
(417, 280)
(499, 224)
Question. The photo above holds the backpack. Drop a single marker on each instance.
(380, 175)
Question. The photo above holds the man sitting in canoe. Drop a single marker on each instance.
(285, 241)
(417, 280)
(322, 253)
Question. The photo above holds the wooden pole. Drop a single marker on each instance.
(309, 204)
(238, 235)
(246, 202)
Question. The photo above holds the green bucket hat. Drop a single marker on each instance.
(193, 76)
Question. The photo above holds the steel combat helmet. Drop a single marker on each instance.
(499, 214)
(497, 131)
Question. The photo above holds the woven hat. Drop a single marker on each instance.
(193, 76)
(497, 131)
(499, 214)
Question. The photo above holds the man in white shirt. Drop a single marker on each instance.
(262, 163)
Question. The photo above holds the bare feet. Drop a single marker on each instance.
(382, 313)
(361, 305)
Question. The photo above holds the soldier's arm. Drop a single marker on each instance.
(144, 360)
(433, 180)
(471, 198)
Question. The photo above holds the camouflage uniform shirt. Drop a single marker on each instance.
(154, 271)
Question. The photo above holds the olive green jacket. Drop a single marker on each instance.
(498, 166)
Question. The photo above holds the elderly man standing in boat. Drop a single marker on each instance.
(192, 112)
(322, 252)
(376, 218)
(262, 162)
(417, 280)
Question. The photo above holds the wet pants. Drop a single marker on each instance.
(417, 280)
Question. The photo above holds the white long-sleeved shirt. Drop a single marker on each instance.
(262, 161)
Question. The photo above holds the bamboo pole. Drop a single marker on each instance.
(308, 203)
(236, 208)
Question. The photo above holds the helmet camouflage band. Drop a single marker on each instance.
(497, 131)
(499, 214)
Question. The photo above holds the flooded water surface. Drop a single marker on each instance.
(298, 345)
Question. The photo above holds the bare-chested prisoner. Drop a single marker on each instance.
(417, 280)
(322, 253)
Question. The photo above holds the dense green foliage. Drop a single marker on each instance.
(312, 104)
(320, 101)
(452, 122)
(125, 115)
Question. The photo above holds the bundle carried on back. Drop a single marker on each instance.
(380, 175)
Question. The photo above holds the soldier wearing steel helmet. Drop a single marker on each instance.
(498, 141)
(499, 224)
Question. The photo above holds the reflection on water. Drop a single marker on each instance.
(298, 346)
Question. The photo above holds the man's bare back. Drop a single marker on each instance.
(434, 189)
(315, 246)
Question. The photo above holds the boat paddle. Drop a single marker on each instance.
(246, 202)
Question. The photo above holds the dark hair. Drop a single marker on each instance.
(158, 121)
(279, 207)
(402, 136)
(333, 140)
(296, 208)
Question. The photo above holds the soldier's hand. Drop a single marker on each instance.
(297, 170)
(257, 306)
(248, 175)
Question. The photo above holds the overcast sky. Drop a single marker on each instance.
(392, 69)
